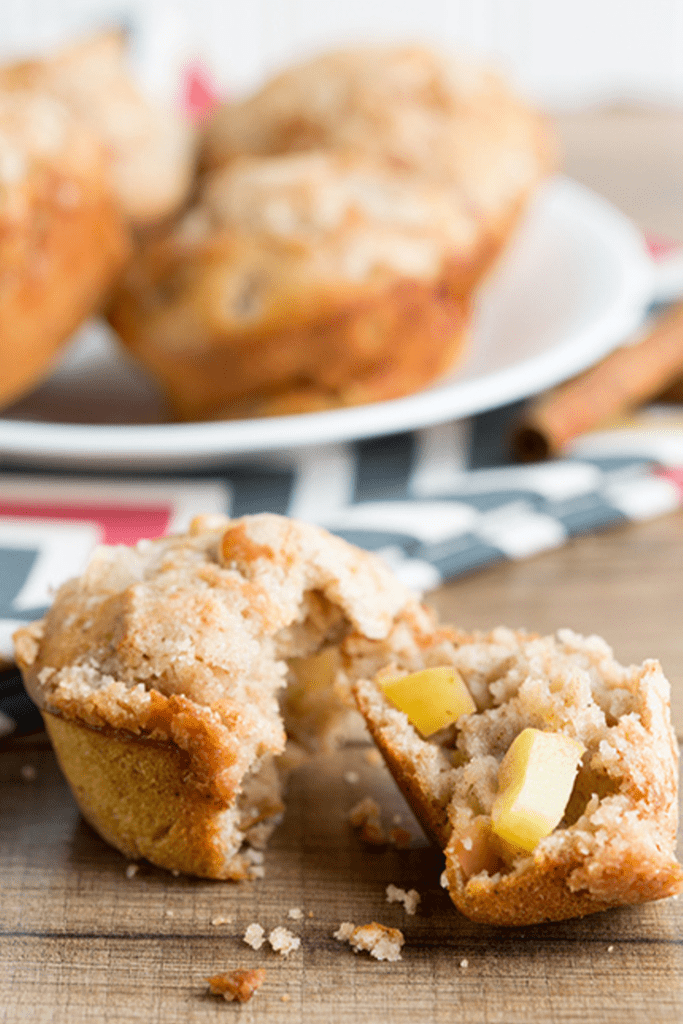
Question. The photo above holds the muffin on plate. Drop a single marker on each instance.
(150, 148)
(299, 283)
(344, 219)
(63, 236)
(83, 160)
(448, 120)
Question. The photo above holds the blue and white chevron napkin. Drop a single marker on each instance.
(436, 504)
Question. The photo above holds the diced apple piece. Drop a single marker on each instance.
(535, 781)
(432, 698)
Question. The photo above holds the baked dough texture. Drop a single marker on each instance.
(159, 673)
(345, 216)
(84, 159)
(299, 283)
(444, 118)
(616, 842)
(150, 148)
(63, 237)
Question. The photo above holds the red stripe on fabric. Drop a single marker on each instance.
(200, 95)
(120, 524)
(675, 476)
(659, 246)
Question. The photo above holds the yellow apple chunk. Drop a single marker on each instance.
(432, 698)
(535, 781)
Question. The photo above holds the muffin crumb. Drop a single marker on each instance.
(409, 899)
(283, 941)
(237, 986)
(401, 838)
(363, 811)
(378, 940)
(366, 816)
(254, 935)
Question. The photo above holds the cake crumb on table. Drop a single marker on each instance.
(255, 859)
(363, 811)
(254, 856)
(237, 986)
(221, 920)
(295, 913)
(373, 834)
(285, 997)
(401, 838)
(255, 935)
(378, 940)
(283, 941)
(132, 870)
(366, 816)
(28, 772)
(7, 725)
(344, 931)
(464, 963)
(409, 899)
(353, 778)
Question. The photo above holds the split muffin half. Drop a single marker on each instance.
(554, 793)
(159, 674)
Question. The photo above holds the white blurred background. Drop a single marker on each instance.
(562, 55)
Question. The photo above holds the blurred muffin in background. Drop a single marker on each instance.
(151, 150)
(343, 219)
(84, 160)
(455, 123)
(299, 283)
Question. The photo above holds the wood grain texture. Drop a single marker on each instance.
(81, 943)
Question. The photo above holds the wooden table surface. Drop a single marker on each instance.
(81, 942)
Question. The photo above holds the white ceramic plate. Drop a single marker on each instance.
(574, 285)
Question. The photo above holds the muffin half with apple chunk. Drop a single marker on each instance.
(546, 771)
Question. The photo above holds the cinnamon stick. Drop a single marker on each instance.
(622, 381)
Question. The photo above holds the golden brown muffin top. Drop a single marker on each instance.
(445, 118)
